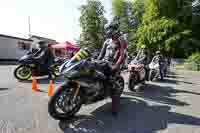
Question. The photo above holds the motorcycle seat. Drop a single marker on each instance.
(137, 66)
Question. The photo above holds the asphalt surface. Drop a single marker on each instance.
(164, 107)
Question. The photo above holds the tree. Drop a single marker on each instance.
(123, 10)
(120, 11)
(166, 25)
(138, 9)
(92, 22)
(162, 34)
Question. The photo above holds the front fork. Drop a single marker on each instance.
(77, 90)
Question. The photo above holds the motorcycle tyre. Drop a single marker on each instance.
(52, 110)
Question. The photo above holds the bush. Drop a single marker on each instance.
(194, 57)
(193, 62)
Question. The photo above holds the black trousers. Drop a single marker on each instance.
(106, 69)
(147, 72)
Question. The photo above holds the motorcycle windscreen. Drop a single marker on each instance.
(82, 54)
(73, 69)
(26, 59)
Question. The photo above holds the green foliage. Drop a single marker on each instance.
(119, 7)
(196, 20)
(173, 8)
(138, 8)
(123, 10)
(163, 34)
(166, 25)
(92, 22)
(172, 26)
(152, 12)
(195, 57)
(120, 10)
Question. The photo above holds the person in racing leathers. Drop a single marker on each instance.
(113, 53)
(143, 58)
(46, 56)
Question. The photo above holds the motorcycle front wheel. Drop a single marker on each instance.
(23, 72)
(132, 81)
(152, 75)
(62, 104)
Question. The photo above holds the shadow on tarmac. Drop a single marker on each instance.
(173, 81)
(4, 89)
(161, 94)
(136, 116)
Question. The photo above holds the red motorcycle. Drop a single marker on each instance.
(136, 76)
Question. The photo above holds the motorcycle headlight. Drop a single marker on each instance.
(24, 57)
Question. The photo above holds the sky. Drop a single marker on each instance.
(56, 19)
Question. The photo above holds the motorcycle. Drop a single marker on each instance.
(136, 75)
(30, 66)
(84, 84)
(156, 70)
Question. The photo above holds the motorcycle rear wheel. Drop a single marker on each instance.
(62, 99)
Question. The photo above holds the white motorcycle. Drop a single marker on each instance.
(155, 71)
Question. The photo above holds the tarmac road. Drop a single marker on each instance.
(168, 107)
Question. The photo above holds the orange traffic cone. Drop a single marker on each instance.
(34, 84)
(50, 88)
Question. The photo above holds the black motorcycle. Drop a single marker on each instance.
(30, 66)
(83, 85)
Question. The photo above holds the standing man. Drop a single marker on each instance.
(112, 54)
(46, 56)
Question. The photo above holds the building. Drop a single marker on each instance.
(12, 48)
(38, 38)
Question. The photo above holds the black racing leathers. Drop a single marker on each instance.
(46, 58)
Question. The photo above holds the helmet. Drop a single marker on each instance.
(42, 44)
(157, 52)
(112, 28)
